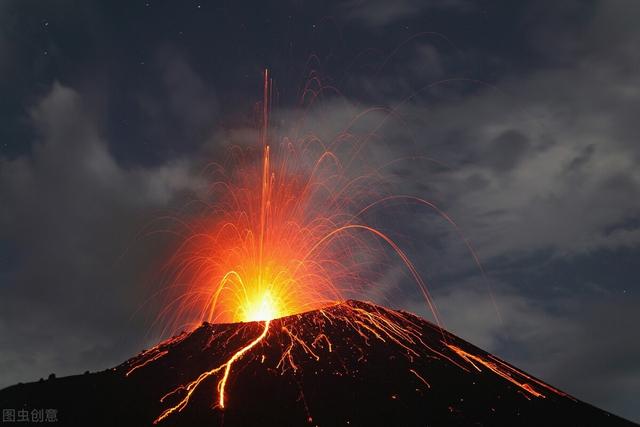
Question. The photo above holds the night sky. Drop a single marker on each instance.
(110, 109)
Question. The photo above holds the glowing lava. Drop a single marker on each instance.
(284, 234)
(226, 368)
(525, 382)
(337, 341)
(262, 307)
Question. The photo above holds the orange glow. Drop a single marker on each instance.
(262, 307)
(284, 236)
(283, 232)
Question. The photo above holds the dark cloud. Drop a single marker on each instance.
(72, 215)
(572, 191)
(180, 109)
(507, 150)
(379, 12)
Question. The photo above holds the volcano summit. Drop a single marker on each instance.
(351, 363)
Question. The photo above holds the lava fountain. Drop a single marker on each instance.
(286, 234)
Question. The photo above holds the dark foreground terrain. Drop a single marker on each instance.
(351, 364)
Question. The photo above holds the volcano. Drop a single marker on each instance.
(349, 364)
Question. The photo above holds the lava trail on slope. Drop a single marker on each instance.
(352, 363)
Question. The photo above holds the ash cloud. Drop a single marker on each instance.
(70, 217)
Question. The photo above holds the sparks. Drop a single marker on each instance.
(286, 234)
(413, 371)
(525, 382)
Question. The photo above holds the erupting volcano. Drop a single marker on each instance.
(285, 236)
(265, 284)
(348, 364)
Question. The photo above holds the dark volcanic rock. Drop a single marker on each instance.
(352, 364)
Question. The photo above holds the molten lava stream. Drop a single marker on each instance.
(191, 387)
